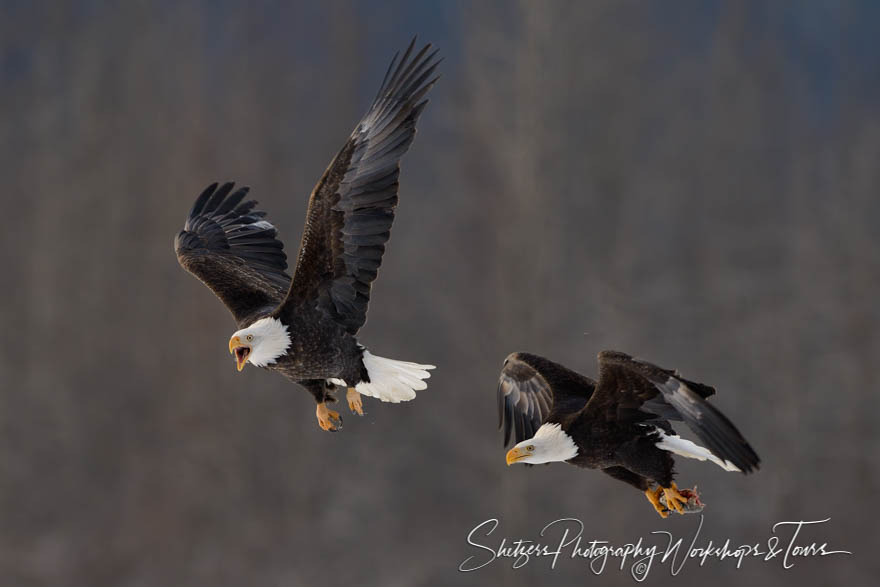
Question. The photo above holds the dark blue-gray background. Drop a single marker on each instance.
(692, 182)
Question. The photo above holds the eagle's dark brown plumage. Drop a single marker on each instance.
(620, 424)
(233, 250)
(229, 246)
(352, 207)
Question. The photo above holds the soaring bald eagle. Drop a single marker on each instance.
(620, 425)
(305, 328)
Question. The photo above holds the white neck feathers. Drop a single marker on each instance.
(270, 341)
(553, 444)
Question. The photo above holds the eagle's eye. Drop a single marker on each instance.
(250, 337)
(530, 448)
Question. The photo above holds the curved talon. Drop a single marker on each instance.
(653, 496)
(328, 419)
(355, 403)
(674, 499)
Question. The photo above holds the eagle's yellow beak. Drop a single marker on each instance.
(515, 454)
(240, 350)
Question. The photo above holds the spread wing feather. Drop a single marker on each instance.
(533, 390)
(352, 207)
(634, 390)
(232, 249)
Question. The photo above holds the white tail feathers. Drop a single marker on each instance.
(684, 447)
(392, 381)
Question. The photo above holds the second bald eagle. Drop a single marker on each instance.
(620, 424)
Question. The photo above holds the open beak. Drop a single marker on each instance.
(241, 352)
(515, 454)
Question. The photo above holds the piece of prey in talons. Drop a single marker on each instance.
(684, 501)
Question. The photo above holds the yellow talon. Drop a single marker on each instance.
(674, 499)
(653, 496)
(328, 419)
(355, 403)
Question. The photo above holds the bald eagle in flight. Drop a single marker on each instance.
(305, 328)
(620, 424)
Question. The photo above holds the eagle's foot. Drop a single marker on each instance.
(328, 419)
(674, 499)
(653, 496)
(355, 403)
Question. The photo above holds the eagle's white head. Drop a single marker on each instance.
(549, 445)
(260, 344)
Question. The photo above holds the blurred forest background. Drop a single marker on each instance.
(693, 182)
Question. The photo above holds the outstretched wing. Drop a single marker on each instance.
(533, 390)
(633, 390)
(229, 246)
(352, 207)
